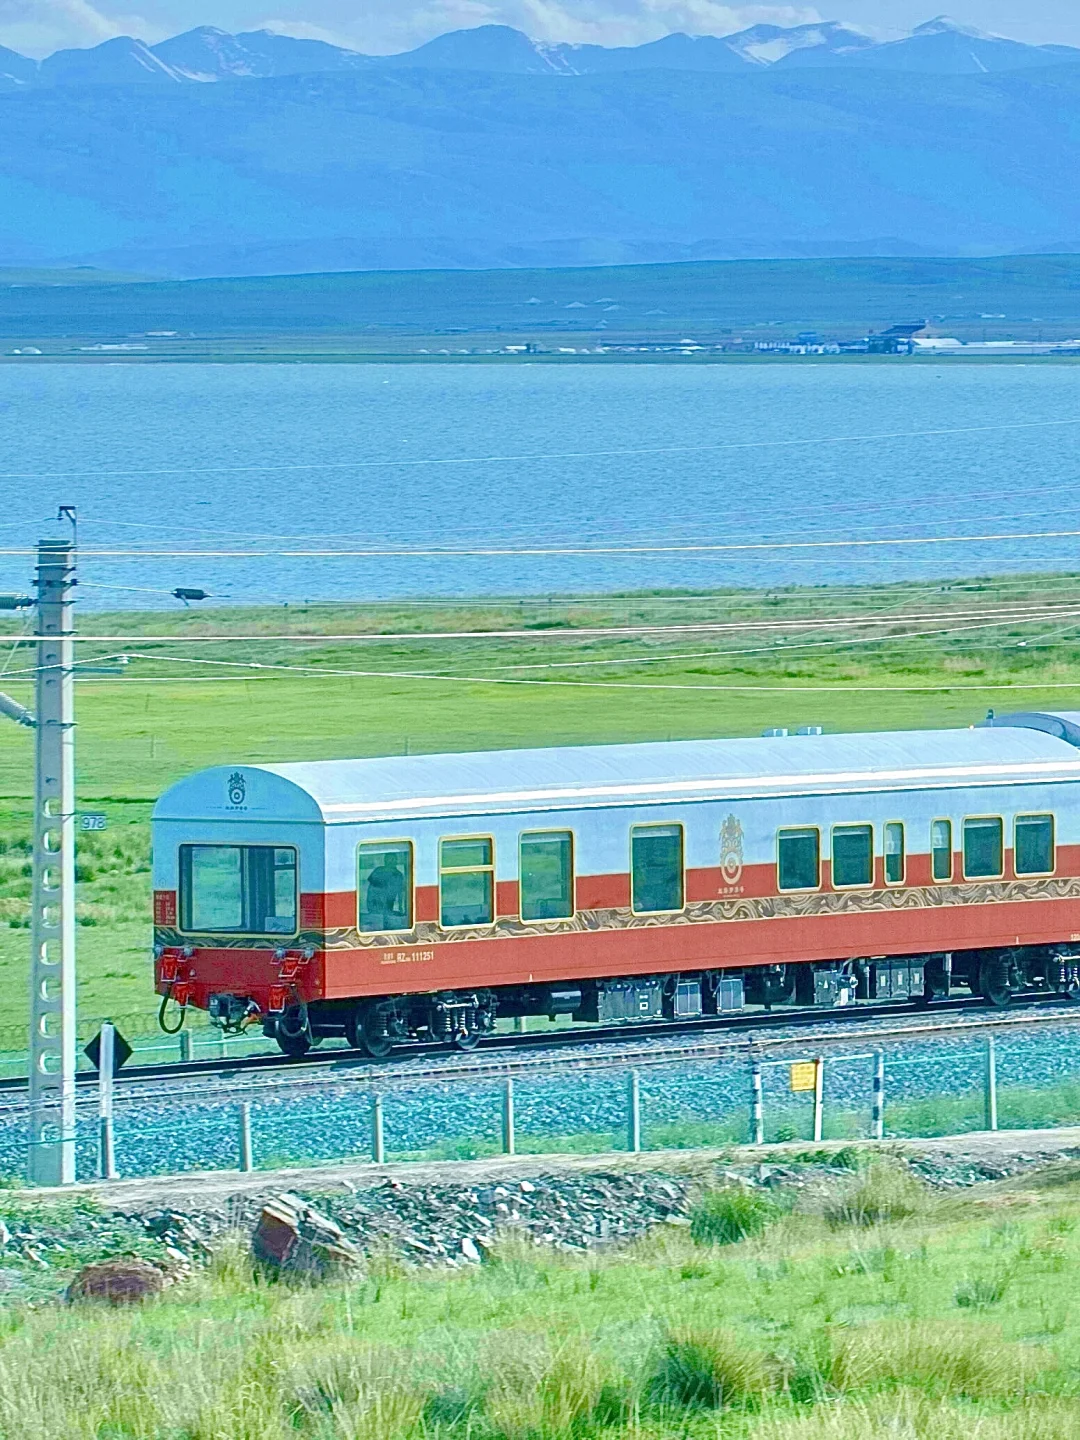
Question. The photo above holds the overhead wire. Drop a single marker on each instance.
(607, 684)
(583, 551)
(1018, 609)
(535, 457)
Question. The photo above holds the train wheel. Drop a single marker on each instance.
(466, 1040)
(293, 1033)
(365, 1031)
(994, 986)
(935, 982)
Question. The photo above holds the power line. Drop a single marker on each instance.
(604, 684)
(1018, 611)
(535, 457)
(577, 550)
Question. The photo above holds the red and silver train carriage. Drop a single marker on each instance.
(421, 897)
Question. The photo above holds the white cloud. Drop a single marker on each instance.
(389, 25)
(37, 27)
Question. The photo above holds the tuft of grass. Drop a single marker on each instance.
(726, 1215)
(910, 1415)
(982, 1293)
(886, 1191)
(942, 1358)
(713, 1369)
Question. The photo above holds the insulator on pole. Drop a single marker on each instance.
(14, 711)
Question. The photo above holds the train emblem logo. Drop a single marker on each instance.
(237, 788)
(731, 850)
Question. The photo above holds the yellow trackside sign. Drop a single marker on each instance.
(803, 1075)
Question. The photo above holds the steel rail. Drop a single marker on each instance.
(736, 1032)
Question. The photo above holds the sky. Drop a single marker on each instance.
(37, 27)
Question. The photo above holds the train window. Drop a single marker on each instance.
(941, 857)
(895, 859)
(547, 875)
(250, 889)
(656, 855)
(385, 887)
(466, 882)
(1033, 848)
(798, 859)
(984, 848)
(852, 855)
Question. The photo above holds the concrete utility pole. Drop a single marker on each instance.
(52, 959)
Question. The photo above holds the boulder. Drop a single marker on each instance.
(124, 1281)
(292, 1238)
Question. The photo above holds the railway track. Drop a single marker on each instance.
(635, 1043)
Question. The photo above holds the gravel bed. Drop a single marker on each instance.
(316, 1117)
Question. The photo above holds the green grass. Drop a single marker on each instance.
(166, 718)
(958, 1321)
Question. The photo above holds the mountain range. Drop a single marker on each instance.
(484, 149)
(206, 54)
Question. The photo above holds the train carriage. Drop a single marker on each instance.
(420, 897)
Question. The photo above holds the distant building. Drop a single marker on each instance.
(897, 340)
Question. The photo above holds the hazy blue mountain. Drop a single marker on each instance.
(413, 168)
(813, 44)
(207, 53)
(673, 52)
(502, 50)
(495, 48)
(15, 70)
(122, 61)
(942, 47)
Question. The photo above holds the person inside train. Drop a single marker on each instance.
(385, 909)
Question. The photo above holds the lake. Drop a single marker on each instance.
(417, 457)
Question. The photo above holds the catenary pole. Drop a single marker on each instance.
(51, 1158)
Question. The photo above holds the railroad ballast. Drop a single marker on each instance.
(421, 897)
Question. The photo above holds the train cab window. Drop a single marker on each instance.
(466, 882)
(798, 859)
(1033, 847)
(656, 858)
(250, 889)
(852, 855)
(385, 887)
(984, 848)
(941, 853)
(895, 858)
(547, 875)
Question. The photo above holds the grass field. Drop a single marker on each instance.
(873, 1310)
(901, 656)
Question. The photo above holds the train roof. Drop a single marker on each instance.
(1016, 750)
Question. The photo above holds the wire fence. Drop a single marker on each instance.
(901, 1088)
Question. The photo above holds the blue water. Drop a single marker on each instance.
(392, 458)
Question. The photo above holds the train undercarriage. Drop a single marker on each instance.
(461, 1018)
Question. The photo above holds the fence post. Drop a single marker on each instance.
(757, 1108)
(991, 1084)
(819, 1097)
(378, 1149)
(633, 1112)
(247, 1163)
(877, 1109)
(185, 1046)
(106, 1066)
(508, 1138)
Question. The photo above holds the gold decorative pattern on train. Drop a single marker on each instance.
(706, 912)
(769, 907)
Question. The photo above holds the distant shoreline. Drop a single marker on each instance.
(287, 356)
